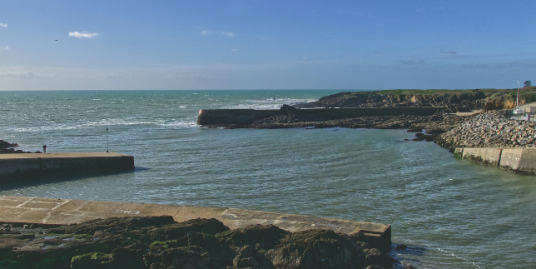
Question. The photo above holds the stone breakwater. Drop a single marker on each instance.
(492, 129)
(160, 242)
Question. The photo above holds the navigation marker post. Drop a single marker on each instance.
(106, 139)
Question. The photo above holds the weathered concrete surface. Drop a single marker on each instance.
(248, 116)
(486, 156)
(38, 165)
(519, 160)
(511, 158)
(17, 209)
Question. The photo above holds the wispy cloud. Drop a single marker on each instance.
(448, 52)
(109, 75)
(4, 48)
(412, 62)
(207, 32)
(3, 25)
(83, 34)
(16, 74)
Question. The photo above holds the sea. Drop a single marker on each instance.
(450, 213)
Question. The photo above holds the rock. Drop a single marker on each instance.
(157, 242)
(491, 129)
(401, 247)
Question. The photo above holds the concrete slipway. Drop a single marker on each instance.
(17, 209)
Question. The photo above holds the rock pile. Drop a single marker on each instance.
(490, 129)
(159, 242)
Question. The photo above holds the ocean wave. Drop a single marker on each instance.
(180, 124)
(103, 123)
(269, 103)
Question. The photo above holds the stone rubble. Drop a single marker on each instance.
(491, 129)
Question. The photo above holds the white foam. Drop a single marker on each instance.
(269, 103)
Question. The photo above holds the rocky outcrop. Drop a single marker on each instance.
(159, 242)
(468, 101)
(491, 129)
(440, 122)
(6, 147)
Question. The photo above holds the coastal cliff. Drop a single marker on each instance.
(452, 100)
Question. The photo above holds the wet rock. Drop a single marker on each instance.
(155, 242)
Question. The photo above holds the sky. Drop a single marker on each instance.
(261, 44)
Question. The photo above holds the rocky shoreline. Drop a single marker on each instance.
(6, 147)
(160, 242)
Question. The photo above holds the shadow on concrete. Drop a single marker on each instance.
(21, 183)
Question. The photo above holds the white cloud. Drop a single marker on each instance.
(206, 32)
(229, 34)
(3, 25)
(83, 34)
(412, 62)
(16, 74)
(109, 75)
(4, 48)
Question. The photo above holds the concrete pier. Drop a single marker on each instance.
(17, 209)
(519, 160)
(20, 166)
(248, 116)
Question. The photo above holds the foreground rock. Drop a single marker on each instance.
(491, 129)
(159, 242)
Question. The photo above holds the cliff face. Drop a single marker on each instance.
(454, 102)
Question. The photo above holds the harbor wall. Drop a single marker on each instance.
(21, 166)
(248, 116)
(54, 211)
(519, 160)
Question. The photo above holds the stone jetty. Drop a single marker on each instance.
(23, 166)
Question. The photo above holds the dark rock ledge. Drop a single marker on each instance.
(159, 242)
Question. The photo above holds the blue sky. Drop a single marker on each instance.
(258, 44)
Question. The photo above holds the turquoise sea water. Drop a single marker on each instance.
(451, 213)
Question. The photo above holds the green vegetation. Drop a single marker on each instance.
(527, 94)
(486, 92)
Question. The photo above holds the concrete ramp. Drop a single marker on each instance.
(17, 209)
